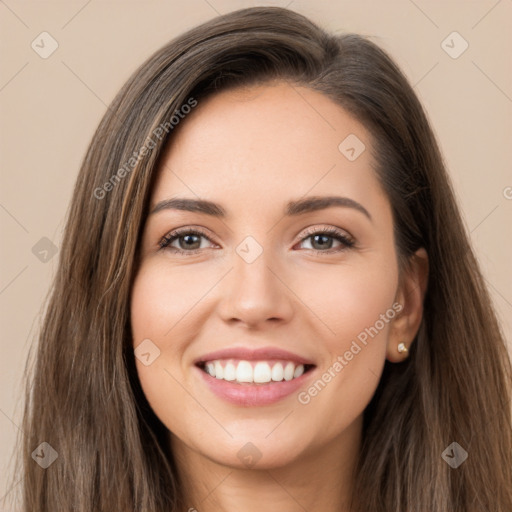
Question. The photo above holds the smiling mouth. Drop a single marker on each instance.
(254, 372)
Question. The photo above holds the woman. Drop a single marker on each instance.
(266, 298)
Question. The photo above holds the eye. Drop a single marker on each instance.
(322, 240)
(189, 241)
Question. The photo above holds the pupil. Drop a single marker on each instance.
(187, 239)
(316, 237)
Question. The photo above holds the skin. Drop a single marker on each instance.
(252, 150)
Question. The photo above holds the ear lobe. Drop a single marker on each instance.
(410, 295)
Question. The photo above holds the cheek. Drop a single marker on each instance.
(360, 300)
(164, 310)
(160, 302)
(154, 311)
(348, 298)
(356, 303)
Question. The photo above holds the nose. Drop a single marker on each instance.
(255, 293)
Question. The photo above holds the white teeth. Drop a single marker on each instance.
(288, 371)
(244, 372)
(229, 372)
(298, 371)
(210, 369)
(219, 371)
(277, 372)
(261, 373)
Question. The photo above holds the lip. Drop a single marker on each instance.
(254, 395)
(259, 354)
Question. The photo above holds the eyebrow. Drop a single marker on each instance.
(293, 208)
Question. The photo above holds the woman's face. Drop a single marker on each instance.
(261, 294)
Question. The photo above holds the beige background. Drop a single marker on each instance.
(50, 108)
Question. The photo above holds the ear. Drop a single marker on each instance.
(410, 295)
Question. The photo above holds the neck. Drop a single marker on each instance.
(319, 479)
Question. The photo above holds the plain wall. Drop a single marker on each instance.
(51, 106)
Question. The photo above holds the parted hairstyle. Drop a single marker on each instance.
(83, 396)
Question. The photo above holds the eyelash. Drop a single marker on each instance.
(332, 232)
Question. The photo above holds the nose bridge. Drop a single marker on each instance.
(254, 293)
(252, 266)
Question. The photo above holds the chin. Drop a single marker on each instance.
(255, 452)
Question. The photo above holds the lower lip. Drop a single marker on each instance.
(253, 395)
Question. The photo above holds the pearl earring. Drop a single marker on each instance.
(402, 348)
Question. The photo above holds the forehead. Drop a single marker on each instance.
(265, 144)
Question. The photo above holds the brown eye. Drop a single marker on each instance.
(322, 240)
(189, 241)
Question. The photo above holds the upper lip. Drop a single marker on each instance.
(251, 354)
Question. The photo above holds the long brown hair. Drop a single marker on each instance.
(83, 396)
